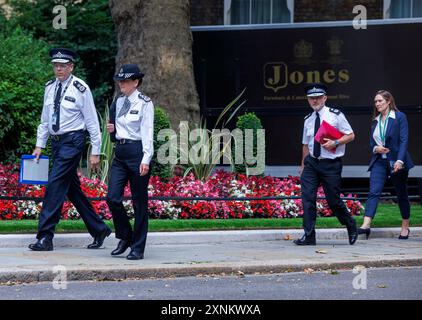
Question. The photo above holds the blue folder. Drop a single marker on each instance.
(32, 172)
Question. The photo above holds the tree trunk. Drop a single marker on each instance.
(156, 35)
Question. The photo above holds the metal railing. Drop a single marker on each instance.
(38, 199)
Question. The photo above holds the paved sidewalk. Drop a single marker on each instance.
(170, 254)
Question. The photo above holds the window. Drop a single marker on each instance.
(258, 11)
(394, 9)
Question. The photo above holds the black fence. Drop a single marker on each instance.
(383, 197)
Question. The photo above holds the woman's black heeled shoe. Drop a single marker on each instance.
(405, 237)
(367, 232)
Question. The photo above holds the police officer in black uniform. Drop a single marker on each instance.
(322, 164)
(132, 124)
(67, 114)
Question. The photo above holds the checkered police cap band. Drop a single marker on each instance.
(60, 55)
(315, 92)
(125, 75)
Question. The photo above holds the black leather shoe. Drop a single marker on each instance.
(306, 240)
(135, 255)
(99, 239)
(43, 244)
(352, 231)
(121, 247)
(405, 237)
(366, 231)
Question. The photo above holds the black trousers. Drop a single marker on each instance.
(328, 173)
(125, 168)
(64, 180)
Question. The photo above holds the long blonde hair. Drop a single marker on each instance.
(389, 98)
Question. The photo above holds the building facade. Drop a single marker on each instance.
(274, 47)
(229, 12)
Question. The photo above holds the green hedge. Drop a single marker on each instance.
(24, 70)
(161, 121)
(247, 121)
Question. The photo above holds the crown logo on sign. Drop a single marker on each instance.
(303, 49)
(334, 45)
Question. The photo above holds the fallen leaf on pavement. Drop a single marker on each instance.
(287, 237)
(322, 251)
(381, 286)
(359, 268)
(309, 270)
(240, 273)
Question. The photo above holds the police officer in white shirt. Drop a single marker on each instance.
(67, 113)
(322, 164)
(132, 123)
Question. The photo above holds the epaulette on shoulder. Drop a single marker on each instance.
(144, 97)
(79, 86)
(50, 82)
(308, 116)
(335, 111)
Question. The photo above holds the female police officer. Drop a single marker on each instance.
(132, 122)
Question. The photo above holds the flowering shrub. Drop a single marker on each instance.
(220, 184)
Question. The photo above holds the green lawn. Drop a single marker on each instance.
(388, 216)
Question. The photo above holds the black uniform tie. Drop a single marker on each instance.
(317, 146)
(56, 125)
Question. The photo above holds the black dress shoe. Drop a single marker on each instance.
(352, 231)
(121, 247)
(135, 255)
(43, 244)
(366, 231)
(405, 237)
(306, 240)
(99, 239)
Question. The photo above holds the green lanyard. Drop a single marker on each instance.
(382, 131)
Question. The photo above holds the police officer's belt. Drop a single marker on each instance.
(123, 141)
(59, 137)
(325, 159)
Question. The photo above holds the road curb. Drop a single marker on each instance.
(72, 274)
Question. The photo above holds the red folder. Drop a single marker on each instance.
(327, 131)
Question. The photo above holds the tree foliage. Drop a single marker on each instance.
(90, 31)
(24, 73)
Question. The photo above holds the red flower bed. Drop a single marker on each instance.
(221, 184)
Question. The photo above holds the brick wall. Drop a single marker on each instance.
(207, 12)
(211, 12)
(331, 10)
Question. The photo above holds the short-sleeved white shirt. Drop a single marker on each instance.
(333, 117)
(138, 123)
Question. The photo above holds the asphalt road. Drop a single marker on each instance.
(369, 284)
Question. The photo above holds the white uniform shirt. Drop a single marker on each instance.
(138, 123)
(376, 135)
(333, 117)
(77, 112)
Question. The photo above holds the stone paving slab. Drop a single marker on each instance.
(219, 254)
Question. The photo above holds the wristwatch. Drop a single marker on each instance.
(336, 143)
